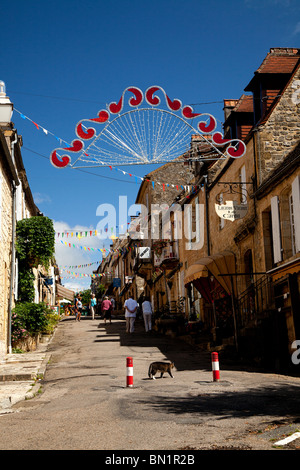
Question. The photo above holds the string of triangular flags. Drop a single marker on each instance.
(83, 234)
(77, 275)
(102, 250)
(64, 267)
(67, 233)
(60, 140)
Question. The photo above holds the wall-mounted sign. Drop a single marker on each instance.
(231, 210)
(116, 282)
(144, 252)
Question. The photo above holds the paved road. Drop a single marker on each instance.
(85, 403)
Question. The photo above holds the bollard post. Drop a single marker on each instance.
(129, 366)
(215, 366)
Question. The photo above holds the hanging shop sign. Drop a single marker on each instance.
(231, 210)
(116, 282)
(144, 252)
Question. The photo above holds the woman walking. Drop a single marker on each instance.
(79, 308)
(106, 309)
(93, 306)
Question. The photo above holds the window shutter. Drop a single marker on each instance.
(296, 205)
(0, 203)
(276, 229)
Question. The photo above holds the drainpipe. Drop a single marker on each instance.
(207, 216)
(13, 254)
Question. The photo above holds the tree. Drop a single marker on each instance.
(35, 245)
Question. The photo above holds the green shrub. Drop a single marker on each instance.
(29, 319)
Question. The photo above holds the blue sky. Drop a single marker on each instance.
(64, 60)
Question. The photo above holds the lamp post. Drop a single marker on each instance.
(6, 106)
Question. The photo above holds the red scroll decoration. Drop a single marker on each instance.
(155, 100)
(116, 108)
(207, 124)
(88, 133)
(188, 113)
(236, 151)
(77, 145)
(203, 126)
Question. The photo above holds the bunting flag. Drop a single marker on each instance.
(63, 267)
(38, 126)
(102, 250)
(74, 274)
(85, 233)
(163, 185)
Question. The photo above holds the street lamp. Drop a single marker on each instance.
(6, 106)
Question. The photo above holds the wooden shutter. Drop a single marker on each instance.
(276, 229)
(296, 205)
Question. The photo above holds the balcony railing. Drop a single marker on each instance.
(256, 302)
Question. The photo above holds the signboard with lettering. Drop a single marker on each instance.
(231, 210)
(144, 252)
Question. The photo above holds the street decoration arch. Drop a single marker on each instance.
(145, 133)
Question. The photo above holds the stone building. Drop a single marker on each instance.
(233, 274)
(260, 250)
(16, 203)
(157, 256)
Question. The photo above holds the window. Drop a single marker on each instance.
(268, 240)
(275, 216)
(292, 224)
(296, 211)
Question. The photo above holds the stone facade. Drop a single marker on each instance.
(235, 275)
(16, 203)
(5, 251)
(280, 132)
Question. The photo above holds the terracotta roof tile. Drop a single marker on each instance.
(278, 64)
(244, 104)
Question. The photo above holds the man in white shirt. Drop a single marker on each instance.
(147, 312)
(130, 306)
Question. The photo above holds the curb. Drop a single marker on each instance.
(22, 386)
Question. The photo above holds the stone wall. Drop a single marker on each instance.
(5, 255)
(281, 132)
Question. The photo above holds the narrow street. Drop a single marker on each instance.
(85, 404)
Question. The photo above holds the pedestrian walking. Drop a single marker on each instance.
(130, 306)
(79, 308)
(106, 309)
(93, 306)
(147, 314)
(76, 306)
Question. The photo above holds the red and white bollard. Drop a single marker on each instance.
(215, 366)
(129, 366)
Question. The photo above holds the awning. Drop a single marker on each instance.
(64, 292)
(220, 263)
(291, 267)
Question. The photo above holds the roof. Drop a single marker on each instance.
(244, 104)
(277, 61)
